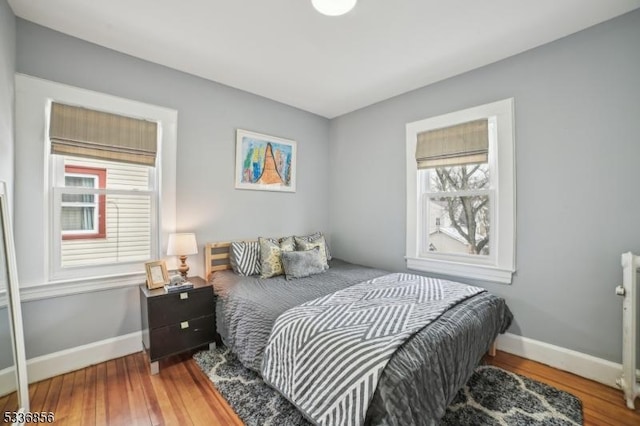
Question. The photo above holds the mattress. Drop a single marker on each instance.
(421, 378)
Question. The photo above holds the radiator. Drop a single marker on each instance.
(628, 382)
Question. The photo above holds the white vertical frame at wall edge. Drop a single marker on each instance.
(33, 99)
(505, 212)
(167, 198)
(14, 306)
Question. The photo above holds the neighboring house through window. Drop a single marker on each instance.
(83, 215)
(461, 193)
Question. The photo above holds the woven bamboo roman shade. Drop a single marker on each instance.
(83, 132)
(464, 143)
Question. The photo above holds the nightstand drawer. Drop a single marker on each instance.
(183, 336)
(175, 307)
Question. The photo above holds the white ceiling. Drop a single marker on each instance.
(286, 51)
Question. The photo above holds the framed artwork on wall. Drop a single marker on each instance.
(265, 163)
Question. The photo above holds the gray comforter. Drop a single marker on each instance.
(421, 378)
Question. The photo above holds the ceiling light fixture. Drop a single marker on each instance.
(333, 7)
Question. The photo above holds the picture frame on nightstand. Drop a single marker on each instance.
(157, 274)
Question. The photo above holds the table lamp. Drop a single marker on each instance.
(182, 245)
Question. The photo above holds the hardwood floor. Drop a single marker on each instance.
(122, 392)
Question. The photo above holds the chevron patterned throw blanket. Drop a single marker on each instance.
(326, 355)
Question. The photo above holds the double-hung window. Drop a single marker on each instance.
(104, 195)
(95, 187)
(461, 193)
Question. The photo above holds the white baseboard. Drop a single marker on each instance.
(50, 365)
(7, 381)
(590, 367)
(61, 362)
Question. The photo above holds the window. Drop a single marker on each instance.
(461, 193)
(83, 215)
(458, 206)
(103, 189)
(40, 183)
(122, 213)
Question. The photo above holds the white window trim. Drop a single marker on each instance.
(33, 97)
(500, 266)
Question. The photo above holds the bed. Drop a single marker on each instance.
(423, 374)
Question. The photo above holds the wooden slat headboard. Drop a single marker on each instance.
(216, 257)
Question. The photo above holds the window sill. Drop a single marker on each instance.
(78, 286)
(462, 270)
(72, 237)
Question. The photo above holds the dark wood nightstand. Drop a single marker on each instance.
(177, 322)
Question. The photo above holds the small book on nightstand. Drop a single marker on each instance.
(178, 287)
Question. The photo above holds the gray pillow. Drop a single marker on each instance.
(300, 264)
(302, 245)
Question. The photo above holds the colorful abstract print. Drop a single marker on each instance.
(266, 162)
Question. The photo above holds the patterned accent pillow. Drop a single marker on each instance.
(315, 237)
(244, 257)
(287, 244)
(303, 244)
(300, 264)
(270, 255)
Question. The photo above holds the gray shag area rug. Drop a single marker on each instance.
(491, 397)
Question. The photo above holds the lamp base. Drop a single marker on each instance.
(183, 268)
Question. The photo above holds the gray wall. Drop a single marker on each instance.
(577, 112)
(208, 115)
(7, 68)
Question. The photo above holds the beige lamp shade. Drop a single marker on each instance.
(182, 244)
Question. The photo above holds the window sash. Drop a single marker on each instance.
(423, 228)
(59, 268)
(425, 194)
(60, 272)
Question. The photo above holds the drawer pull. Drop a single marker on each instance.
(184, 324)
(184, 295)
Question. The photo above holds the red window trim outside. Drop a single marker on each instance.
(102, 202)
